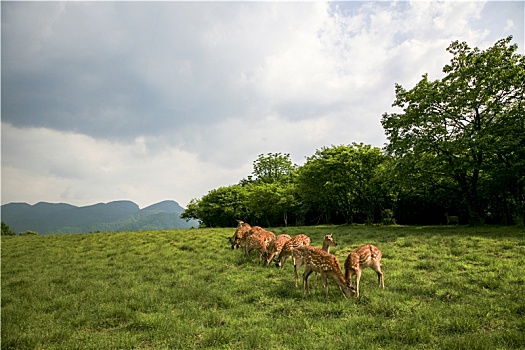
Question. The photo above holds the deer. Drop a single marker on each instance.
(242, 230)
(259, 241)
(286, 252)
(367, 255)
(289, 249)
(254, 230)
(452, 219)
(326, 264)
(328, 241)
(276, 246)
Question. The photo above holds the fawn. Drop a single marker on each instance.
(276, 246)
(286, 252)
(328, 241)
(367, 255)
(259, 241)
(317, 260)
(242, 230)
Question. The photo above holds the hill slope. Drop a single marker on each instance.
(46, 218)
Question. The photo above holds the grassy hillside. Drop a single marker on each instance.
(446, 287)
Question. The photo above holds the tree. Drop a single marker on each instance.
(274, 167)
(338, 182)
(29, 233)
(461, 131)
(221, 207)
(271, 191)
(271, 204)
(6, 230)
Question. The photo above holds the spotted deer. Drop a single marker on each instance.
(276, 246)
(326, 264)
(259, 241)
(254, 230)
(328, 241)
(242, 230)
(286, 252)
(367, 255)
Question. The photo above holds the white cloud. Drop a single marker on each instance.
(43, 164)
(509, 24)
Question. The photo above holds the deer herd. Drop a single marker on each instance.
(268, 247)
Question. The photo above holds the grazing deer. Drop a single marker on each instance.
(276, 246)
(317, 260)
(294, 243)
(365, 256)
(242, 230)
(452, 220)
(254, 230)
(328, 241)
(259, 241)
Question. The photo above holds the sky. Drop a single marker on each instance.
(153, 101)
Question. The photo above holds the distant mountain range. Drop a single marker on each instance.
(45, 218)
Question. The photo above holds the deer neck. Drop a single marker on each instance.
(339, 278)
(326, 247)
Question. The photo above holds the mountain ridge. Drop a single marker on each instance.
(114, 216)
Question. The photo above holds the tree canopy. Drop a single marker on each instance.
(465, 133)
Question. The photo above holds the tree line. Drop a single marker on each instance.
(455, 145)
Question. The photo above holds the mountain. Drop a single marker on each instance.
(46, 218)
(165, 207)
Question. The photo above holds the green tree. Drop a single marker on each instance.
(272, 197)
(339, 182)
(261, 200)
(221, 207)
(29, 233)
(461, 131)
(271, 204)
(6, 230)
(273, 167)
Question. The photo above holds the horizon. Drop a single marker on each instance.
(93, 204)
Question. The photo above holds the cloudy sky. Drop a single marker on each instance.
(142, 101)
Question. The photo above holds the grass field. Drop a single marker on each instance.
(445, 288)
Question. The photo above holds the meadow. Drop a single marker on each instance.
(448, 287)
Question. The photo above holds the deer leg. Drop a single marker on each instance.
(325, 284)
(357, 278)
(269, 259)
(282, 261)
(306, 274)
(380, 278)
(380, 275)
(348, 276)
(296, 275)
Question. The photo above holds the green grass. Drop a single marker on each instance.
(446, 288)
